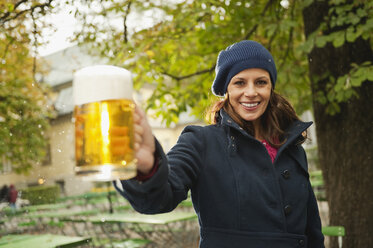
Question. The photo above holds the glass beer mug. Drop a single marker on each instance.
(103, 113)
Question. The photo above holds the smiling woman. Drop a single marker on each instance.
(247, 172)
(246, 77)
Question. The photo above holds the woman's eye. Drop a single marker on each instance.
(261, 82)
(239, 82)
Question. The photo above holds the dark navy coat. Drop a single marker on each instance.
(242, 199)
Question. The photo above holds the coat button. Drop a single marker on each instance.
(301, 242)
(286, 174)
(287, 209)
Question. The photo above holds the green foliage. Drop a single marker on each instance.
(41, 194)
(176, 55)
(24, 102)
(175, 52)
(347, 21)
(342, 89)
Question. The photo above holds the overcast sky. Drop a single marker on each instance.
(65, 24)
(58, 39)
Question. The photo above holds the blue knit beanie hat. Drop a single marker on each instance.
(238, 57)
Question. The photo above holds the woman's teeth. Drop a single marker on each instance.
(250, 105)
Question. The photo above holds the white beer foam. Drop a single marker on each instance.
(101, 82)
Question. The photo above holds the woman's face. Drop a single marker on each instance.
(249, 92)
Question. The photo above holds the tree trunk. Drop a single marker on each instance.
(345, 139)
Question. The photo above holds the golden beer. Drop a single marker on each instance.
(104, 142)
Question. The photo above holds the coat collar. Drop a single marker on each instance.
(293, 133)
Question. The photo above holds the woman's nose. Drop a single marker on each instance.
(250, 91)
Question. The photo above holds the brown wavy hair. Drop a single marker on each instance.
(278, 116)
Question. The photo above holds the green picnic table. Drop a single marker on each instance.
(167, 229)
(50, 219)
(88, 196)
(42, 241)
(45, 207)
(338, 231)
(317, 183)
(137, 218)
(61, 214)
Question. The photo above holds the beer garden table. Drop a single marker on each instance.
(42, 241)
(58, 218)
(163, 230)
(45, 207)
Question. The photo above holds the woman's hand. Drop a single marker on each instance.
(144, 142)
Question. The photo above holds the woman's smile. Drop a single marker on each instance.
(250, 106)
(249, 92)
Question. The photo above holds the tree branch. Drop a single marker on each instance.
(273, 36)
(125, 31)
(290, 40)
(253, 29)
(7, 15)
(7, 47)
(34, 32)
(178, 78)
